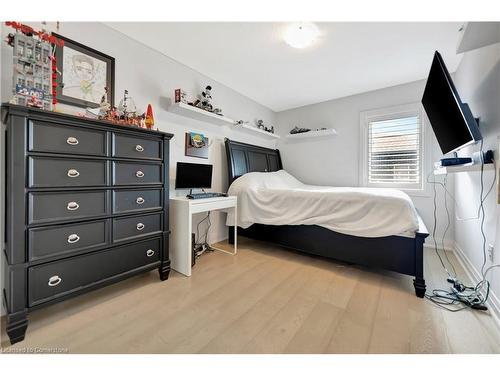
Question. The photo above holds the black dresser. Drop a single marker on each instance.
(86, 206)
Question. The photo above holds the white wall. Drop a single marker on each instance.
(478, 82)
(152, 77)
(335, 160)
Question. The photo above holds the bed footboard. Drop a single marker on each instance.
(420, 236)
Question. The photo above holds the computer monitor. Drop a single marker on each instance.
(193, 176)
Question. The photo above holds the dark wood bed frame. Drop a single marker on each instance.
(393, 253)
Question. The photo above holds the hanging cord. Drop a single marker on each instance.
(461, 297)
(481, 209)
(455, 203)
(448, 223)
(204, 244)
(434, 229)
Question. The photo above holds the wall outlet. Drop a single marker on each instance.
(491, 252)
(476, 157)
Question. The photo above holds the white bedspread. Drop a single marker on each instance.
(278, 198)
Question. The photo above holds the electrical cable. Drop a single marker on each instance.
(204, 244)
(208, 229)
(434, 228)
(462, 297)
(481, 206)
(491, 186)
(448, 223)
(453, 197)
(198, 230)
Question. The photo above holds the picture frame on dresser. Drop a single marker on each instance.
(87, 206)
(83, 74)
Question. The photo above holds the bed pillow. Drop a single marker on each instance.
(264, 180)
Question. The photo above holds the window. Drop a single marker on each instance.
(393, 148)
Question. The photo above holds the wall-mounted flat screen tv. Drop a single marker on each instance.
(452, 121)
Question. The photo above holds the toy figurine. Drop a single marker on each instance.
(127, 108)
(104, 105)
(33, 101)
(205, 102)
(240, 122)
(149, 117)
(142, 122)
(113, 114)
(297, 130)
(184, 98)
(180, 96)
(260, 124)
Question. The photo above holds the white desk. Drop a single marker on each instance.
(181, 226)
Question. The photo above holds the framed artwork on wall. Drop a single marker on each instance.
(196, 145)
(84, 74)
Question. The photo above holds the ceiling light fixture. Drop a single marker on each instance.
(301, 35)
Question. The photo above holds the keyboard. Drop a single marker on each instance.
(205, 195)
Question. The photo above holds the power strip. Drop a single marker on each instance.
(200, 249)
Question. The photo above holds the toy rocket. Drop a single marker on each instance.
(149, 117)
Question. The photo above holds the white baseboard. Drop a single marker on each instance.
(493, 303)
(448, 244)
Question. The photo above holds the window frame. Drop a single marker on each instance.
(390, 113)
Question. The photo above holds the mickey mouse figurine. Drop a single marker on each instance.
(206, 99)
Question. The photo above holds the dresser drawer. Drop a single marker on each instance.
(53, 172)
(67, 239)
(56, 279)
(47, 207)
(136, 226)
(136, 200)
(125, 146)
(51, 137)
(136, 173)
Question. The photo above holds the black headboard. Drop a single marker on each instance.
(243, 158)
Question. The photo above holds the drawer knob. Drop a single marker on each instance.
(73, 206)
(72, 141)
(73, 238)
(139, 174)
(139, 148)
(140, 226)
(150, 252)
(54, 280)
(139, 200)
(73, 173)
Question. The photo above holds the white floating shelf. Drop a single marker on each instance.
(470, 167)
(255, 130)
(478, 34)
(313, 134)
(187, 110)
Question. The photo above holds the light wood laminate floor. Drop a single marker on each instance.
(264, 300)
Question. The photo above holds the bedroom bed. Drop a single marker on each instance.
(369, 241)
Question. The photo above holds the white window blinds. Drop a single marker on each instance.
(394, 152)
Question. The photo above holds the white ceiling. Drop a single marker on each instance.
(349, 58)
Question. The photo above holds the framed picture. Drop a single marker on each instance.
(196, 145)
(84, 74)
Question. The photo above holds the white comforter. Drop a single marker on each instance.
(278, 198)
